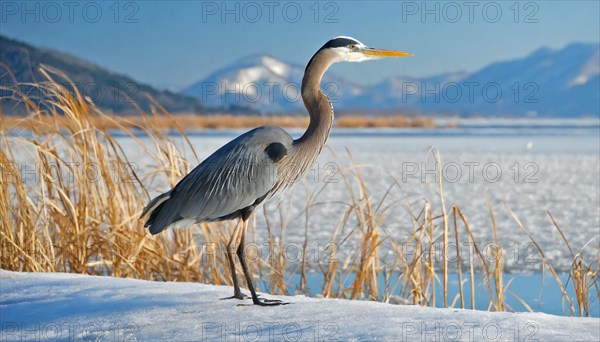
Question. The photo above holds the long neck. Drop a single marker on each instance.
(317, 104)
(308, 146)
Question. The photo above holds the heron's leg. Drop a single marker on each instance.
(231, 247)
(242, 256)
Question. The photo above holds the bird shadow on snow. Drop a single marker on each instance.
(95, 300)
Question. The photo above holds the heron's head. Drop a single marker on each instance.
(347, 49)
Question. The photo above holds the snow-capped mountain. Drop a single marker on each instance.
(547, 82)
(263, 83)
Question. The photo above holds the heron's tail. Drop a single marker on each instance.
(155, 222)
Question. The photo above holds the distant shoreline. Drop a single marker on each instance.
(228, 121)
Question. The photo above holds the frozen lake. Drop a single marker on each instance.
(532, 166)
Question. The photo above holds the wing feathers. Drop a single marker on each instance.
(231, 179)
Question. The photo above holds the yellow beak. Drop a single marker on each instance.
(385, 53)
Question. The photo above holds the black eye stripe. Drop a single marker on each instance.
(339, 42)
(334, 43)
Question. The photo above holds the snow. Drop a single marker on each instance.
(589, 70)
(64, 307)
(264, 83)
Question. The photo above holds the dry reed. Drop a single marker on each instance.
(228, 121)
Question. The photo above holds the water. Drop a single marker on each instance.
(540, 292)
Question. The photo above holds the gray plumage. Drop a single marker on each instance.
(257, 165)
(229, 183)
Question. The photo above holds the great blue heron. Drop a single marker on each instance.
(255, 166)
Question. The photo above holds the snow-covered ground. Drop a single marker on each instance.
(66, 307)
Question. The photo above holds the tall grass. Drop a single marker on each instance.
(68, 220)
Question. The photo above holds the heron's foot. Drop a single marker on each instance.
(268, 302)
(236, 295)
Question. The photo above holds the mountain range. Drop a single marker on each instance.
(547, 83)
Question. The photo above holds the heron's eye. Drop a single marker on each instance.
(351, 46)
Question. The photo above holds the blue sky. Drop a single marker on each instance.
(176, 43)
